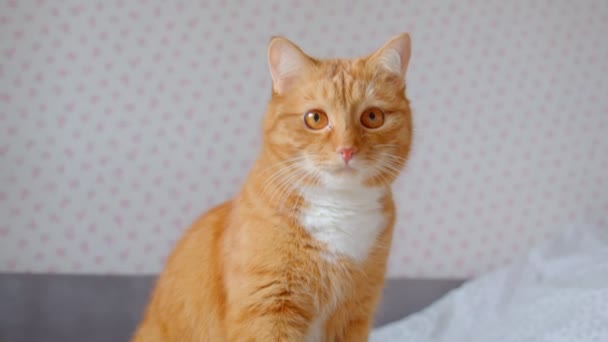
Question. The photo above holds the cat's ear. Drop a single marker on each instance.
(287, 63)
(394, 56)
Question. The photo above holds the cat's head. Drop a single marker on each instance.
(340, 122)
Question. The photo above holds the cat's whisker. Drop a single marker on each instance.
(285, 168)
(276, 178)
(385, 145)
(395, 161)
(393, 157)
(280, 183)
(383, 175)
(283, 185)
(376, 172)
(288, 162)
(385, 166)
(277, 175)
(392, 170)
(314, 177)
(290, 185)
(292, 213)
(283, 162)
(392, 167)
(287, 183)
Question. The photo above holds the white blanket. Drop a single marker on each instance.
(557, 293)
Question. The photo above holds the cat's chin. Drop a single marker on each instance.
(344, 170)
(342, 178)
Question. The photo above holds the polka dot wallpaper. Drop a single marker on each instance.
(121, 121)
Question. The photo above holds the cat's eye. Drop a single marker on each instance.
(372, 118)
(316, 119)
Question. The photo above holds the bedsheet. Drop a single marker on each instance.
(558, 292)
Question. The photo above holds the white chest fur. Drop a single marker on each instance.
(348, 221)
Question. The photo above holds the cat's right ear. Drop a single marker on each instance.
(287, 63)
(394, 56)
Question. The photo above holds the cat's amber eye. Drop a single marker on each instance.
(316, 119)
(372, 118)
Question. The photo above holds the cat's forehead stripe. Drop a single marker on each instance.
(343, 83)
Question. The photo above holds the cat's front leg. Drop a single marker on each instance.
(269, 320)
(267, 305)
(357, 330)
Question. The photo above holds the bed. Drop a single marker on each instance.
(556, 292)
(106, 308)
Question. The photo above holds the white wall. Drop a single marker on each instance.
(121, 121)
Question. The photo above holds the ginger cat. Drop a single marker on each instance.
(300, 253)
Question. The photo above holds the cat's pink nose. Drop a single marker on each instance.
(347, 154)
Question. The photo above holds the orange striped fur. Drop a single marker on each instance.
(300, 253)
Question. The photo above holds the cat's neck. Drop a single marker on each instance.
(346, 220)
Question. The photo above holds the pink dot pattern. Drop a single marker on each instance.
(121, 121)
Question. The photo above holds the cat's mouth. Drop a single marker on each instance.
(343, 169)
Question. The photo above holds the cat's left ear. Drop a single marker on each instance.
(394, 56)
(287, 63)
